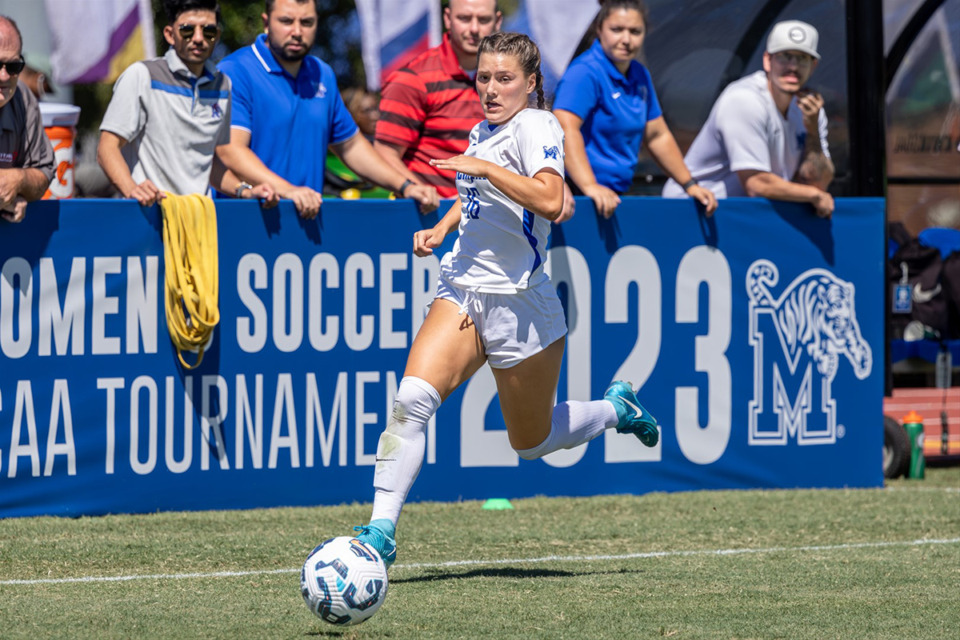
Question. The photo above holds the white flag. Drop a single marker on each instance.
(557, 27)
(393, 32)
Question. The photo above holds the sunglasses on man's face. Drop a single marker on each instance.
(210, 31)
(13, 67)
(799, 59)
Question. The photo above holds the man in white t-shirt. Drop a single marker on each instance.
(766, 135)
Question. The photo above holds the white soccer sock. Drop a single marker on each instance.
(401, 447)
(572, 424)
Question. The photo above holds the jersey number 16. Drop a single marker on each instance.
(471, 208)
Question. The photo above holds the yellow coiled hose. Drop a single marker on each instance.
(192, 278)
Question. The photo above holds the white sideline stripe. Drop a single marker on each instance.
(466, 563)
(926, 489)
(155, 576)
(673, 554)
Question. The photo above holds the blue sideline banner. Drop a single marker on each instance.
(755, 337)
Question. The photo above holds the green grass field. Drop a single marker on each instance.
(875, 563)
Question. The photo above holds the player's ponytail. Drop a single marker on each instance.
(541, 102)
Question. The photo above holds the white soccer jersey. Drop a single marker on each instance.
(502, 247)
(745, 131)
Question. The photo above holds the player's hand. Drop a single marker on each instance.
(306, 200)
(810, 104)
(425, 241)
(569, 205)
(426, 197)
(605, 200)
(823, 204)
(146, 193)
(464, 164)
(266, 194)
(704, 197)
(16, 211)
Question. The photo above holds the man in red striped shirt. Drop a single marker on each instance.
(428, 107)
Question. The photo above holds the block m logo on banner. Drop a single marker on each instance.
(813, 322)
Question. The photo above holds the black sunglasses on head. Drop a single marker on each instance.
(13, 67)
(210, 31)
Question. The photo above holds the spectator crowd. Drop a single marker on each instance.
(269, 122)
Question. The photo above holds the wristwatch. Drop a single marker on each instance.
(403, 187)
(689, 183)
(243, 186)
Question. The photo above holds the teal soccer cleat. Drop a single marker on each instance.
(379, 535)
(633, 418)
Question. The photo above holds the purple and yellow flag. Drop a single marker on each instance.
(95, 41)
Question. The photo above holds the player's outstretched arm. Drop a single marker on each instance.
(542, 194)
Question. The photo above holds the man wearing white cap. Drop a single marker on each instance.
(766, 135)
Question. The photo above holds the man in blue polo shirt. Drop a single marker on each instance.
(287, 111)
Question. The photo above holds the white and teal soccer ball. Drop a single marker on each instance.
(343, 581)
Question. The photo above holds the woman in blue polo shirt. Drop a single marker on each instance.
(607, 107)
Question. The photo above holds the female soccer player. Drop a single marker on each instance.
(494, 302)
(607, 107)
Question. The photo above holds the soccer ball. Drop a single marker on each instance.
(343, 581)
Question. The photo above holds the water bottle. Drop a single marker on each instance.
(913, 423)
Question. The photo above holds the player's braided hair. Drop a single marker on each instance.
(520, 47)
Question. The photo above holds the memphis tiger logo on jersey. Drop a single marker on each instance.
(814, 323)
(551, 152)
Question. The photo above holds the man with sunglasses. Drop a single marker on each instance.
(26, 155)
(288, 111)
(766, 135)
(167, 116)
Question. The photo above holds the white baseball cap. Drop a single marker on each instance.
(793, 35)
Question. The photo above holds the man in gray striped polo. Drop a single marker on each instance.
(168, 115)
